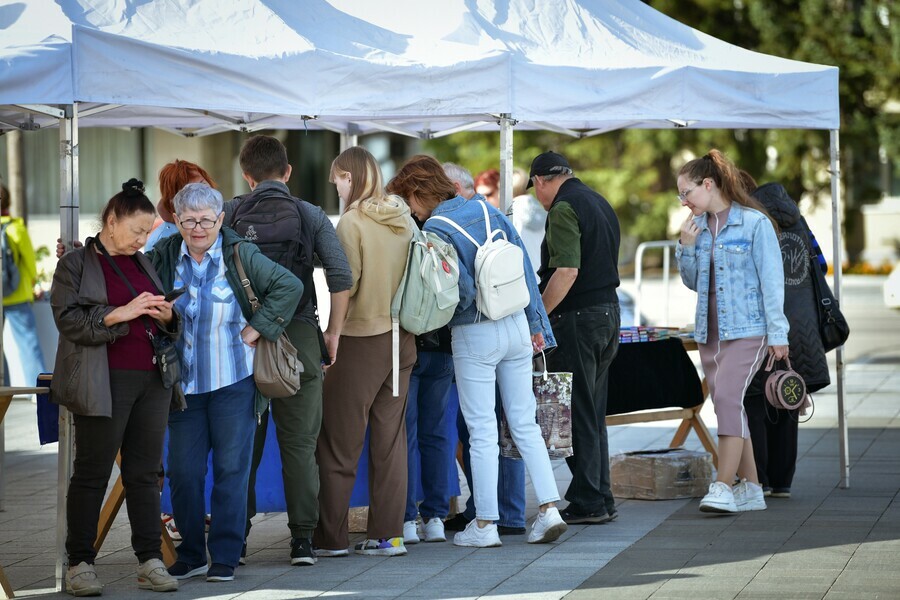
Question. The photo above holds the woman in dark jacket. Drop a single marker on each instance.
(106, 375)
(774, 431)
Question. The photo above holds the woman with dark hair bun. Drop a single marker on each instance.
(728, 253)
(107, 303)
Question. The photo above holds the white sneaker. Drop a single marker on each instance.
(410, 532)
(81, 580)
(474, 536)
(434, 530)
(749, 496)
(547, 527)
(720, 499)
(153, 575)
(326, 553)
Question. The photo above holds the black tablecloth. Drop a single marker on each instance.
(647, 375)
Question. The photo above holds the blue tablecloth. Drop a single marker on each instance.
(270, 487)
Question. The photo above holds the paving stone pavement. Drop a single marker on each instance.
(824, 542)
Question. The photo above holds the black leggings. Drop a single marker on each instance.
(140, 411)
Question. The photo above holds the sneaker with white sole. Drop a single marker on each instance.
(410, 532)
(720, 499)
(327, 553)
(181, 570)
(547, 527)
(153, 575)
(81, 580)
(381, 547)
(434, 530)
(474, 536)
(169, 521)
(749, 496)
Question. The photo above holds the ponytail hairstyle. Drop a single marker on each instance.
(365, 175)
(129, 201)
(727, 177)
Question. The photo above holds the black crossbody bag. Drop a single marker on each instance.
(165, 353)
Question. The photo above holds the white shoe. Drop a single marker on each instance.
(326, 553)
(749, 496)
(474, 536)
(720, 499)
(153, 575)
(434, 530)
(547, 527)
(81, 580)
(410, 532)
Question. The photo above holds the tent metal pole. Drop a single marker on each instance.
(506, 162)
(68, 223)
(836, 262)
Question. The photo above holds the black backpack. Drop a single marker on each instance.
(274, 221)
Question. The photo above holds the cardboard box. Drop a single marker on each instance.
(664, 474)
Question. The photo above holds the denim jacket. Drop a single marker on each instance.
(469, 215)
(749, 277)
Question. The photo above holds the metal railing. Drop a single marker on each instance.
(666, 246)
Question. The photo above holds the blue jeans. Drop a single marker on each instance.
(486, 354)
(24, 330)
(510, 482)
(427, 442)
(222, 421)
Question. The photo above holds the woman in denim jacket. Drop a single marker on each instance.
(487, 351)
(729, 254)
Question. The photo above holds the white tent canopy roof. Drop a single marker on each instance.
(419, 67)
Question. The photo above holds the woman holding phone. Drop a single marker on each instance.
(108, 379)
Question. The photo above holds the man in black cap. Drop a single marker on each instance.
(579, 276)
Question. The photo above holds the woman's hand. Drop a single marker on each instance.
(689, 231)
(537, 342)
(331, 344)
(61, 249)
(145, 304)
(779, 352)
(249, 336)
(165, 313)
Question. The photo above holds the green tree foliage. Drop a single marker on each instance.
(635, 169)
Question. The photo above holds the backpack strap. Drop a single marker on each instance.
(487, 226)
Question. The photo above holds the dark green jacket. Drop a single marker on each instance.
(277, 288)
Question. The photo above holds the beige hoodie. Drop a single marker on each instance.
(375, 237)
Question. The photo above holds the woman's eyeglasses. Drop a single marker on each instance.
(191, 224)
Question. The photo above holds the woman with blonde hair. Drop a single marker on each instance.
(374, 231)
(728, 253)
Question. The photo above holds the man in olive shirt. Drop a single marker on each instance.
(579, 276)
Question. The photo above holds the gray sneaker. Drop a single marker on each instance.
(153, 575)
(81, 580)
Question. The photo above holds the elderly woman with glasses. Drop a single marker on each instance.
(217, 350)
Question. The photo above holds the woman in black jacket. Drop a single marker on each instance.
(774, 431)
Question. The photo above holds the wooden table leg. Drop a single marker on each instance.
(109, 512)
(168, 546)
(4, 585)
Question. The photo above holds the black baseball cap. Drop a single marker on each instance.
(547, 163)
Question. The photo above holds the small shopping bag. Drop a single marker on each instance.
(553, 397)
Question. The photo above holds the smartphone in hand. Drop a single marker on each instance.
(174, 294)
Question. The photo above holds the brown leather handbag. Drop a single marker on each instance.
(276, 366)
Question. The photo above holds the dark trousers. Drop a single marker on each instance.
(297, 422)
(140, 409)
(773, 432)
(588, 340)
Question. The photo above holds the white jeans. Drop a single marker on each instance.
(499, 351)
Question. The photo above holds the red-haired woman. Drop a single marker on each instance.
(172, 177)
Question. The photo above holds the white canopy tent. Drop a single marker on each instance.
(423, 69)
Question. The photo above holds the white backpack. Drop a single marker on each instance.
(499, 272)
